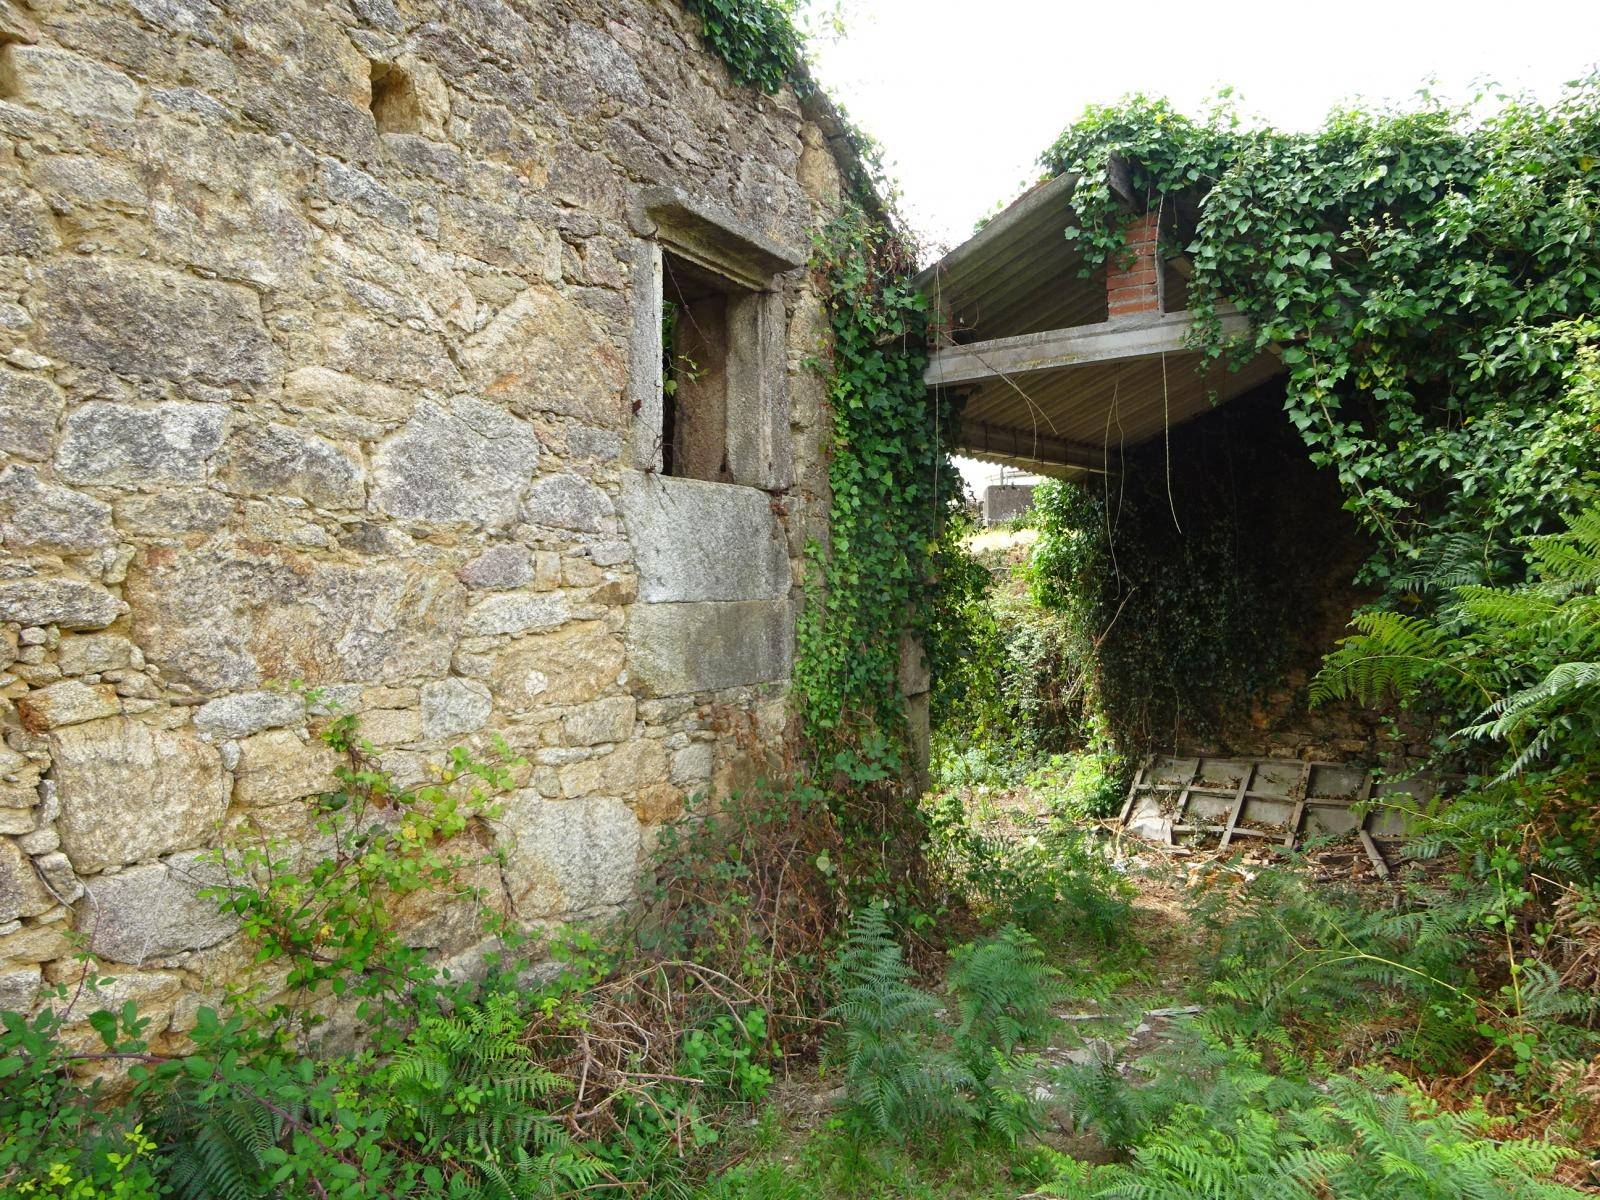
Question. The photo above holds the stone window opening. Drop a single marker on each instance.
(700, 317)
(708, 363)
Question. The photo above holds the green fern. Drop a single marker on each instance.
(1003, 989)
(896, 1079)
(1525, 658)
(1242, 1135)
(466, 1085)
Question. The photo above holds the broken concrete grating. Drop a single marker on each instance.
(1199, 801)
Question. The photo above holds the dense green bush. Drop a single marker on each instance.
(756, 38)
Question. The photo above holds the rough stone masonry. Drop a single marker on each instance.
(330, 352)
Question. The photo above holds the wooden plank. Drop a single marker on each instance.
(1133, 788)
(1371, 848)
(1299, 814)
(1238, 805)
(1109, 341)
(1183, 797)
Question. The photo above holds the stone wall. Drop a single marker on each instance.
(327, 343)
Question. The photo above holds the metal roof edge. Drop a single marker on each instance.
(1051, 191)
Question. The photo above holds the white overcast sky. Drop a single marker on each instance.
(964, 94)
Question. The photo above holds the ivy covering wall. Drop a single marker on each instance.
(1426, 275)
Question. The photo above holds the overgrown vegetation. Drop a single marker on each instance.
(756, 38)
(1429, 277)
(1193, 580)
(1436, 1041)
(1423, 271)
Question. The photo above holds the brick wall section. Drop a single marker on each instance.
(1135, 291)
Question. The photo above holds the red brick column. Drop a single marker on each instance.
(1136, 291)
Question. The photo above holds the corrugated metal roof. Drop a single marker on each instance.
(1020, 275)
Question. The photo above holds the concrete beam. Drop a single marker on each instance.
(1109, 341)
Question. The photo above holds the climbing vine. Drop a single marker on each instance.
(892, 487)
(1417, 270)
(756, 38)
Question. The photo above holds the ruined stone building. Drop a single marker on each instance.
(332, 341)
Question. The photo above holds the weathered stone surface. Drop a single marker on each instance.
(118, 443)
(608, 720)
(452, 706)
(66, 703)
(320, 388)
(153, 911)
(680, 648)
(568, 502)
(16, 25)
(656, 804)
(391, 726)
(16, 822)
(500, 569)
(276, 460)
(279, 766)
(704, 541)
(624, 772)
(249, 712)
(29, 410)
(37, 943)
(230, 615)
(130, 792)
(574, 664)
(410, 96)
(516, 613)
(35, 515)
(691, 766)
(21, 892)
(69, 603)
(93, 653)
(544, 353)
(148, 322)
(393, 354)
(19, 988)
(565, 856)
(334, 309)
(56, 870)
(82, 181)
(44, 77)
(28, 230)
(469, 463)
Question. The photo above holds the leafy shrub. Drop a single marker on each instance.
(756, 38)
(1418, 266)
(1057, 885)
